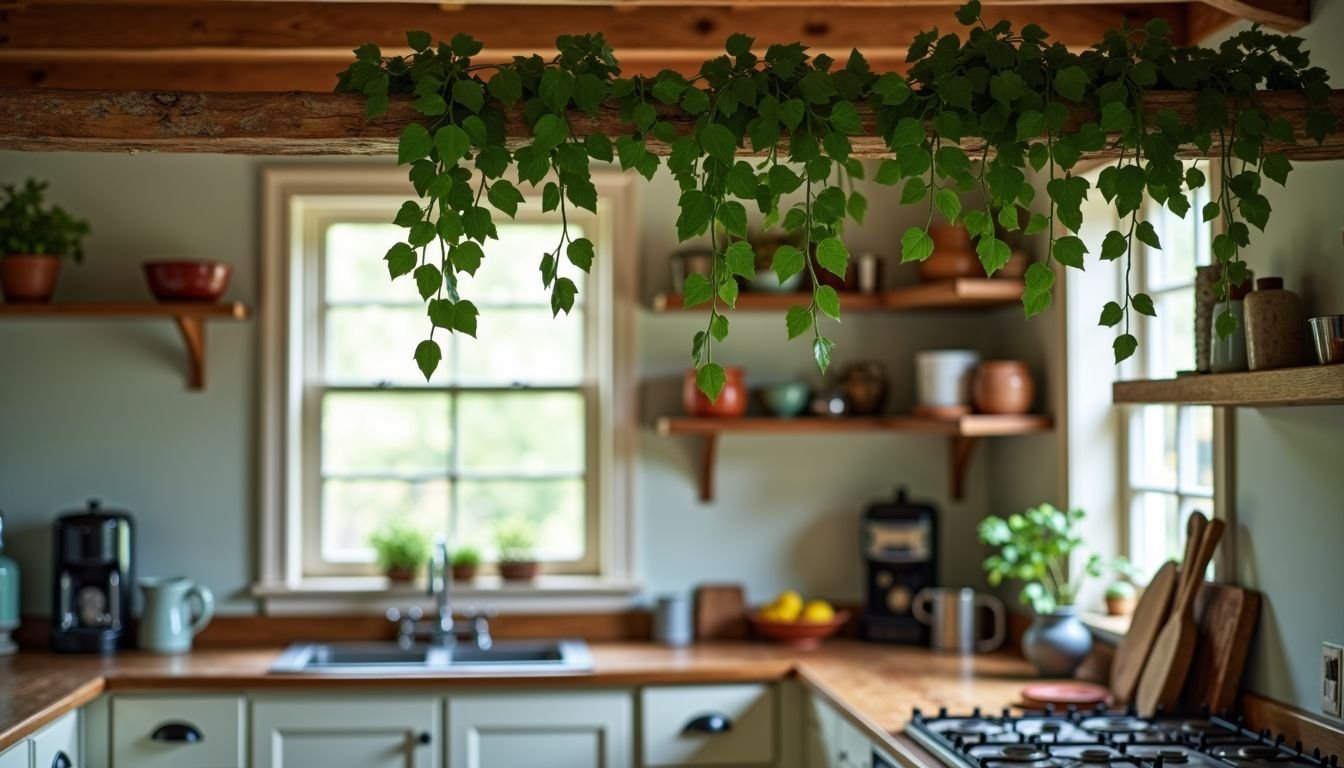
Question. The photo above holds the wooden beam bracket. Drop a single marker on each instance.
(962, 450)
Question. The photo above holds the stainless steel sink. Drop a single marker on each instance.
(501, 658)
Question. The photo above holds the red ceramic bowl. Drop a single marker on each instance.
(187, 280)
(803, 635)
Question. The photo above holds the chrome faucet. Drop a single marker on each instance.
(441, 587)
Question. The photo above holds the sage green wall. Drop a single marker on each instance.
(1290, 461)
(99, 408)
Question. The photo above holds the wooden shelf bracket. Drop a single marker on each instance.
(192, 329)
(962, 449)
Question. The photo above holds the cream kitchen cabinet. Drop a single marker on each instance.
(684, 725)
(179, 732)
(590, 729)
(18, 756)
(57, 745)
(832, 740)
(347, 732)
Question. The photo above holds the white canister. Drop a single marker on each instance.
(943, 377)
(672, 620)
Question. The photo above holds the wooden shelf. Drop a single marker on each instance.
(961, 293)
(1310, 385)
(964, 433)
(190, 318)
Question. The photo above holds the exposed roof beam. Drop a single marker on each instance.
(328, 123)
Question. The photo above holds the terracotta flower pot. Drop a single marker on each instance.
(1002, 386)
(732, 400)
(952, 256)
(400, 575)
(519, 571)
(464, 572)
(1120, 606)
(29, 279)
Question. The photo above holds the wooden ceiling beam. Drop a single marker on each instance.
(327, 123)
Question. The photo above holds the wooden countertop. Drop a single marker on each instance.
(876, 686)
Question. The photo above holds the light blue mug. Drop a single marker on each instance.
(166, 625)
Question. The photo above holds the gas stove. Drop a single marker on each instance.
(1103, 738)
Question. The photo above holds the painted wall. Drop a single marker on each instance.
(100, 409)
(1289, 463)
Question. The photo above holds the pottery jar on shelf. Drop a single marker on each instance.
(1003, 386)
(952, 255)
(1276, 326)
(732, 400)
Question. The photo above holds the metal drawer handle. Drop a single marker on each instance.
(710, 723)
(62, 760)
(424, 737)
(177, 733)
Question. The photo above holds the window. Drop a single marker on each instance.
(1167, 450)
(517, 426)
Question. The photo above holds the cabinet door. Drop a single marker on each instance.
(178, 732)
(57, 745)
(349, 732)
(821, 735)
(18, 756)
(557, 730)
(856, 750)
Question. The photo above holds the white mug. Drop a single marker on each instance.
(943, 377)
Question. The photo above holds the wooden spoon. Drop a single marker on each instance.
(1169, 663)
(1149, 616)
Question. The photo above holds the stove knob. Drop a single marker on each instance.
(942, 712)
(975, 712)
(1006, 713)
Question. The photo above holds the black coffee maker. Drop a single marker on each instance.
(93, 574)
(900, 545)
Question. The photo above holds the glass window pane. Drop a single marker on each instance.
(510, 272)
(1196, 461)
(353, 509)
(1169, 338)
(1156, 533)
(392, 432)
(553, 509)
(368, 345)
(354, 269)
(1152, 448)
(523, 346)
(521, 433)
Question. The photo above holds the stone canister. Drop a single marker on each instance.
(1276, 326)
(1003, 386)
(1206, 295)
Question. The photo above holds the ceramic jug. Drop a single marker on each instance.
(166, 625)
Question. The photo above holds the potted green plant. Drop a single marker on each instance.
(465, 562)
(33, 240)
(516, 542)
(1121, 595)
(401, 549)
(1034, 548)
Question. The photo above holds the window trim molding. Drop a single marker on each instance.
(279, 569)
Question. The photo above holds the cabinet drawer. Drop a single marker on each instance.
(18, 756)
(58, 744)
(177, 731)
(670, 715)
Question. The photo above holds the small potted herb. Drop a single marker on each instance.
(1121, 596)
(401, 549)
(516, 543)
(465, 562)
(1034, 548)
(33, 240)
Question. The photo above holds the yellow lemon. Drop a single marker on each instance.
(788, 606)
(817, 612)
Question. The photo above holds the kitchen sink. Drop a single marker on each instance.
(501, 658)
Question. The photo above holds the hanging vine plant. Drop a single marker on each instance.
(1013, 90)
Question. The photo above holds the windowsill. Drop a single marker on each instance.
(555, 593)
(1107, 628)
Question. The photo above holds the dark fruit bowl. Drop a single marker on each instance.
(187, 280)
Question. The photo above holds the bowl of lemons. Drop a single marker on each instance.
(799, 623)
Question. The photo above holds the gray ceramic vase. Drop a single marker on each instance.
(1056, 644)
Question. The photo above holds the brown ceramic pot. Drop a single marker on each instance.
(464, 572)
(29, 279)
(400, 575)
(519, 571)
(732, 400)
(1120, 606)
(952, 256)
(1002, 386)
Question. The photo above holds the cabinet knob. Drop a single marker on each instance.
(62, 760)
(709, 723)
(423, 737)
(177, 733)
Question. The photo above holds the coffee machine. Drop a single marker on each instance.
(93, 574)
(900, 546)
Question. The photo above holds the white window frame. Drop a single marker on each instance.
(290, 195)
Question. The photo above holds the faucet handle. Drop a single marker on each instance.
(414, 613)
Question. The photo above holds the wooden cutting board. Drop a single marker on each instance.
(1149, 617)
(720, 612)
(1225, 618)
(1164, 674)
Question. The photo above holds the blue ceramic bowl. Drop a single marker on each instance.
(785, 400)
